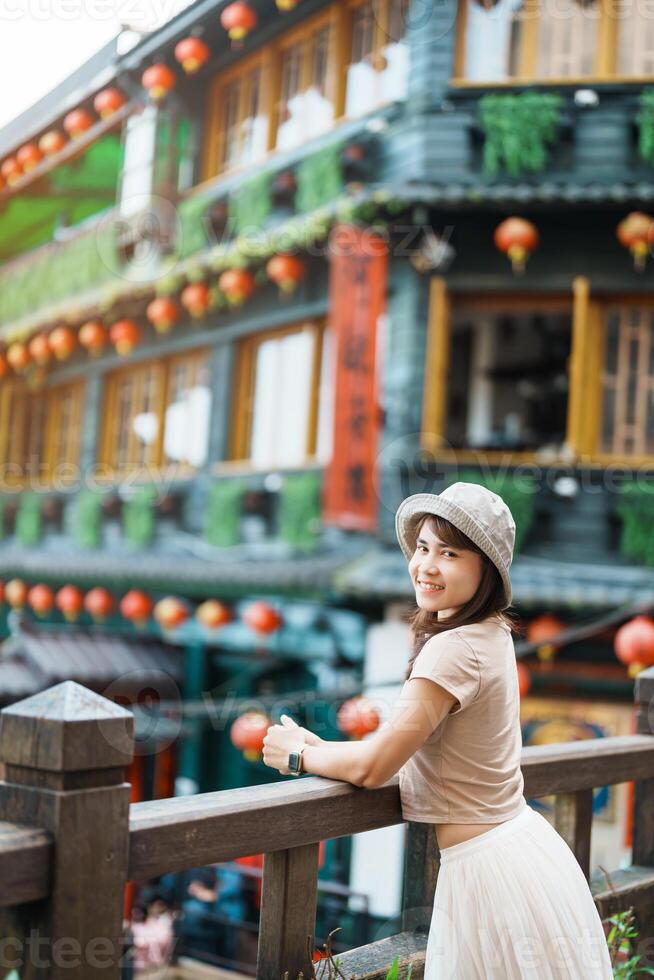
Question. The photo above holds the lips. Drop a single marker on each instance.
(430, 586)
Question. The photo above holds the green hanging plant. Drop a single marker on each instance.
(87, 526)
(139, 523)
(299, 510)
(319, 178)
(636, 508)
(222, 525)
(28, 519)
(518, 493)
(518, 131)
(645, 120)
(250, 205)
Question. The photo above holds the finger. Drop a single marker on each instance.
(286, 720)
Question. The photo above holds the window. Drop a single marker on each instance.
(239, 128)
(138, 168)
(379, 57)
(282, 398)
(627, 383)
(307, 105)
(40, 433)
(157, 414)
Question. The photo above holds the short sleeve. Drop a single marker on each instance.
(452, 663)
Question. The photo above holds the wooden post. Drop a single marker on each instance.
(573, 819)
(643, 814)
(421, 865)
(288, 913)
(65, 751)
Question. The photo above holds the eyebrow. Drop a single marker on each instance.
(443, 543)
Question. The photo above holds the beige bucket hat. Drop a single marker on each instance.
(476, 511)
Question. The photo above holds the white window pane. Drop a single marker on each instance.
(318, 112)
(146, 426)
(136, 183)
(395, 77)
(295, 397)
(362, 89)
(488, 43)
(264, 420)
(325, 438)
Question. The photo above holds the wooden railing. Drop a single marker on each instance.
(70, 840)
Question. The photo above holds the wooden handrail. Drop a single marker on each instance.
(25, 857)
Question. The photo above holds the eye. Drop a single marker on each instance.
(447, 552)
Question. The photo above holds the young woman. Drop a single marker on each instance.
(511, 901)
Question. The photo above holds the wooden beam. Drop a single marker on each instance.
(437, 363)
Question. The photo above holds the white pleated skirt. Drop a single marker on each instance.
(513, 904)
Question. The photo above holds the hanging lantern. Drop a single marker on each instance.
(635, 233)
(524, 679)
(18, 356)
(286, 5)
(192, 54)
(16, 592)
(171, 612)
(634, 644)
(541, 630)
(136, 607)
(195, 299)
(357, 717)
(238, 20)
(125, 336)
(41, 599)
(163, 314)
(29, 157)
(286, 271)
(69, 601)
(517, 238)
(52, 142)
(63, 342)
(78, 122)
(99, 603)
(248, 732)
(213, 614)
(93, 337)
(158, 81)
(108, 101)
(11, 171)
(4, 366)
(40, 350)
(237, 285)
(262, 618)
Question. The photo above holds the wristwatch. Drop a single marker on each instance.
(295, 763)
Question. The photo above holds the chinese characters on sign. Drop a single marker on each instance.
(357, 299)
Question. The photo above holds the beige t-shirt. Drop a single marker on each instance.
(468, 769)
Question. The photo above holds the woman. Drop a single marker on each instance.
(511, 900)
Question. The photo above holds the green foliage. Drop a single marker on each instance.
(193, 225)
(518, 131)
(636, 508)
(28, 519)
(621, 941)
(87, 526)
(319, 178)
(138, 517)
(222, 525)
(299, 510)
(645, 120)
(250, 204)
(517, 492)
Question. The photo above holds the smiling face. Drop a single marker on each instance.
(445, 577)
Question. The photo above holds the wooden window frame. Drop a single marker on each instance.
(242, 402)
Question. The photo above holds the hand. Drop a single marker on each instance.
(278, 742)
(309, 737)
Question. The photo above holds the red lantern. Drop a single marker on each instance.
(248, 732)
(125, 336)
(524, 679)
(286, 271)
(238, 20)
(52, 142)
(108, 101)
(136, 607)
(262, 618)
(4, 366)
(195, 299)
(78, 122)
(237, 285)
(16, 593)
(541, 630)
(93, 337)
(2, 592)
(357, 717)
(518, 239)
(213, 614)
(99, 603)
(70, 602)
(40, 350)
(634, 644)
(18, 356)
(11, 171)
(158, 81)
(192, 54)
(63, 342)
(163, 314)
(635, 233)
(41, 599)
(171, 612)
(28, 157)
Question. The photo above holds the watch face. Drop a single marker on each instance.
(294, 761)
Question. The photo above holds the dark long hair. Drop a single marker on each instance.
(489, 598)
